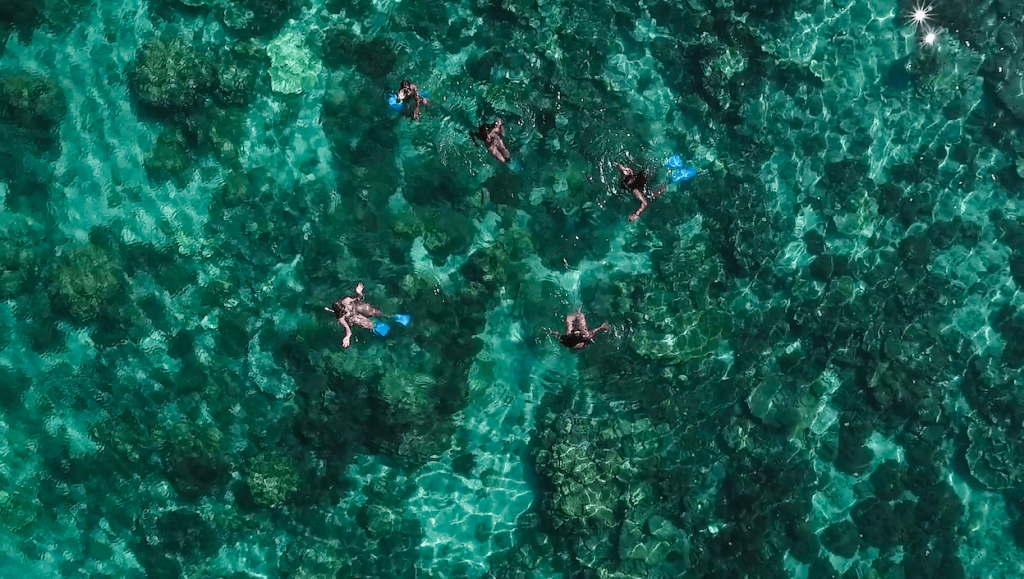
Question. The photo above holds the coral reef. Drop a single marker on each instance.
(86, 278)
(170, 73)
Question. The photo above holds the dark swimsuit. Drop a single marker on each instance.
(573, 340)
(637, 180)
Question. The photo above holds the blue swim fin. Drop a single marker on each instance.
(394, 103)
(685, 174)
(403, 319)
(675, 162)
(381, 328)
(515, 166)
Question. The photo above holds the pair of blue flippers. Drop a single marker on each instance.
(382, 329)
(682, 172)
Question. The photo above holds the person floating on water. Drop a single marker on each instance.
(636, 182)
(577, 336)
(491, 135)
(408, 90)
(351, 310)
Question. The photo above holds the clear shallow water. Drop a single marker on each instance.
(812, 369)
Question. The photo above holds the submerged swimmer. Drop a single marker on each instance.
(408, 90)
(577, 336)
(492, 135)
(351, 310)
(636, 182)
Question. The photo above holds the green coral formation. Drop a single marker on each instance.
(170, 73)
(34, 102)
(585, 491)
(681, 321)
(272, 479)
(294, 67)
(169, 160)
(596, 499)
(259, 17)
(85, 279)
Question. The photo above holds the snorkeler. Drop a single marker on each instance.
(492, 135)
(408, 90)
(636, 182)
(351, 310)
(577, 336)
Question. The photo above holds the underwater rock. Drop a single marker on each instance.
(842, 538)
(238, 68)
(259, 17)
(680, 339)
(170, 73)
(410, 424)
(1010, 93)
(582, 475)
(175, 537)
(86, 278)
(880, 524)
(294, 67)
(888, 480)
(23, 15)
(36, 103)
(272, 479)
(995, 456)
(169, 159)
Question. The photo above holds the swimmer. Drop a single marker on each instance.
(351, 311)
(577, 336)
(492, 135)
(637, 184)
(408, 90)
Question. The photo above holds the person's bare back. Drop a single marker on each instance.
(577, 335)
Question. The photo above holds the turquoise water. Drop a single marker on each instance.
(813, 367)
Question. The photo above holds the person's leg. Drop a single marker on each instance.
(504, 152)
(643, 205)
(492, 148)
(365, 309)
(361, 321)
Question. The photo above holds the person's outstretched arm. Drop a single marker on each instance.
(643, 204)
(347, 340)
(598, 329)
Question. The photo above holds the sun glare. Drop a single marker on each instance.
(920, 14)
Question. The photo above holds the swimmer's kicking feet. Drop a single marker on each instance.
(352, 311)
(577, 336)
(408, 90)
(636, 182)
(491, 135)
